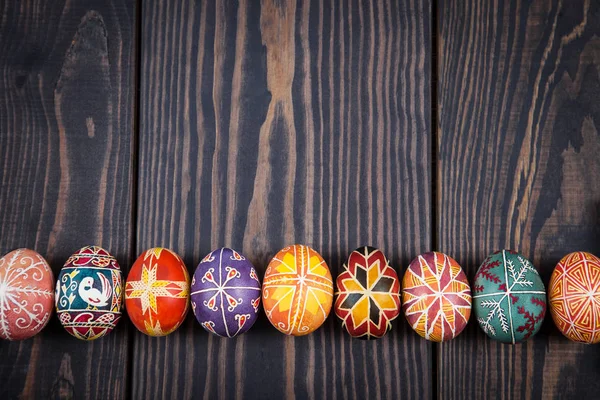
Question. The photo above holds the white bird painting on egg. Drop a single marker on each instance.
(93, 296)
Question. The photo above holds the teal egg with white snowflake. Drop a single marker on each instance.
(509, 297)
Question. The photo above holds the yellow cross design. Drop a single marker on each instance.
(148, 289)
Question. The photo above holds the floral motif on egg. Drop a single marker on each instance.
(297, 290)
(368, 294)
(89, 293)
(26, 294)
(157, 292)
(225, 293)
(436, 297)
(574, 297)
(509, 298)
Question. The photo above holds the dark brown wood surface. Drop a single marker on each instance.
(519, 167)
(264, 124)
(66, 114)
(267, 123)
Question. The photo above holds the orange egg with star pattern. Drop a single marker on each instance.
(157, 292)
(297, 290)
(574, 297)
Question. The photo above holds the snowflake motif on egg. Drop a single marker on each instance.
(26, 294)
(225, 293)
(509, 297)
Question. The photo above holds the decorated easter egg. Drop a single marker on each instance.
(225, 293)
(574, 296)
(368, 294)
(26, 294)
(157, 292)
(436, 297)
(89, 293)
(297, 290)
(509, 297)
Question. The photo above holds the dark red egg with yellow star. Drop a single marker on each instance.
(368, 294)
(157, 292)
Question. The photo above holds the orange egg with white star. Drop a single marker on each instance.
(297, 290)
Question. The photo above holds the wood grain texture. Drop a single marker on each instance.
(519, 123)
(269, 123)
(66, 101)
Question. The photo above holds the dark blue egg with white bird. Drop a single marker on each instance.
(89, 293)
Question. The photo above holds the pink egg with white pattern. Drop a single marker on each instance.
(26, 294)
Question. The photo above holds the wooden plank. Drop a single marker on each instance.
(66, 96)
(518, 168)
(272, 123)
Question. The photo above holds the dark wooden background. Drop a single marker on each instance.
(462, 126)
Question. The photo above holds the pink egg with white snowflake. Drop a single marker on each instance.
(26, 294)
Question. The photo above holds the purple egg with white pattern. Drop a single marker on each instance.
(225, 293)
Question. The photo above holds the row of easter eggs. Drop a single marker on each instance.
(88, 294)
(297, 294)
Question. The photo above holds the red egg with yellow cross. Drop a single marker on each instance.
(157, 292)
